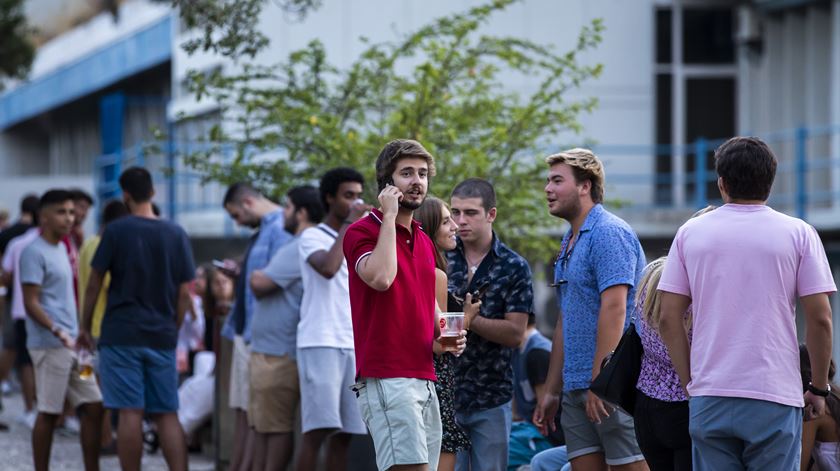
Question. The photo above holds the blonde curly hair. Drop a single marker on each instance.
(585, 166)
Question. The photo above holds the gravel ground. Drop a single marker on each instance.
(16, 449)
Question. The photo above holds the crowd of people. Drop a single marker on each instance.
(336, 310)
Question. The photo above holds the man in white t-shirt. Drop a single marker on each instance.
(742, 268)
(326, 360)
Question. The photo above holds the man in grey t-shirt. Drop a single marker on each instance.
(274, 390)
(52, 325)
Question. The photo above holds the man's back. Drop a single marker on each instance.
(148, 259)
(744, 266)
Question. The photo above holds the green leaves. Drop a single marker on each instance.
(16, 48)
(446, 85)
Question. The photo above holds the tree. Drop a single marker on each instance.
(16, 49)
(287, 123)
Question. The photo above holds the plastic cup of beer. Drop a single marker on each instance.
(85, 364)
(451, 325)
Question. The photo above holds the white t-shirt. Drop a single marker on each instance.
(325, 319)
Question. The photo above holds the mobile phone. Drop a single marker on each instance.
(477, 294)
(220, 265)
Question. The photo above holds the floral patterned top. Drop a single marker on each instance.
(658, 378)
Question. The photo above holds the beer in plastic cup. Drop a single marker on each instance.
(451, 325)
(85, 364)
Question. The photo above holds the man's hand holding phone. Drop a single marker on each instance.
(389, 199)
(227, 267)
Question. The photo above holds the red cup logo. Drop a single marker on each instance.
(442, 323)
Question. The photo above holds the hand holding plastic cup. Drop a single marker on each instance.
(85, 364)
(451, 325)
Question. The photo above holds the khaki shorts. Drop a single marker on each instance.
(615, 436)
(57, 378)
(275, 393)
(239, 374)
(403, 417)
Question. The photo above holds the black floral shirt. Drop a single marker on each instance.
(483, 374)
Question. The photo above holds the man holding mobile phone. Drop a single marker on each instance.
(392, 296)
(484, 390)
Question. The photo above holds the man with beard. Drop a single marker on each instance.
(596, 272)
(392, 294)
(249, 208)
(484, 387)
(326, 362)
(274, 390)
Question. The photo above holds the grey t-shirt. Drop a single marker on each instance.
(48, 266)
(274, 325)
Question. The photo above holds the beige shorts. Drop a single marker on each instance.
(403, 417)
(275, 393)
(239, 374)
(57, 378)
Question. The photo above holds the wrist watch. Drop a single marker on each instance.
(819, 392)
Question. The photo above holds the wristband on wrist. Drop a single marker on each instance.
(55, 330)
(819, 392)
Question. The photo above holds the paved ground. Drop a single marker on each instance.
(16, 450)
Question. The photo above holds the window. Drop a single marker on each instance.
(695, 96)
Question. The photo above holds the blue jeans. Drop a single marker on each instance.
(730, 433)
(489, 451)
(554, 459)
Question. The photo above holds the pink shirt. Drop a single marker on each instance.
(744, 266)
(11, 264)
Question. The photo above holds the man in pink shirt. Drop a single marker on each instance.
(742, 268)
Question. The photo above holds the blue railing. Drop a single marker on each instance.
(642, 178)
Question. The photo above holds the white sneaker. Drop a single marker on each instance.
(72, 426)
(27, 419)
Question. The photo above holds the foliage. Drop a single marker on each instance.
(16, 48)
(229, 27)
(442, 84)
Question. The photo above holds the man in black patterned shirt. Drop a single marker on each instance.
(484, 377)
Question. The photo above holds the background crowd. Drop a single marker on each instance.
(336, 308)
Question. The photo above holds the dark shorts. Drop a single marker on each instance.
(138, 378)
(14, 338)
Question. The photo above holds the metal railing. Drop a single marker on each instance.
(807, 180)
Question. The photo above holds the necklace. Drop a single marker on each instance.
(473, 267)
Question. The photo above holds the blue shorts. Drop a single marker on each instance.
(138, 378)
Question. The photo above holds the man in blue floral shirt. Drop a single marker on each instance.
(599, 265)
(484, 384)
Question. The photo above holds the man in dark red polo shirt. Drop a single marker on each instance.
(392, 298)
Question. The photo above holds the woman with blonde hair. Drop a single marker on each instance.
(437, 223)
(661, 415)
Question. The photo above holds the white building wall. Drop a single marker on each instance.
(625, 90)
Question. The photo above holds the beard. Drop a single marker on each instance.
(291, 225)
(568, 210)
(411, 205)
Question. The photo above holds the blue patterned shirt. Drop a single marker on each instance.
(607, 253)
(271, 237)
(484, 376)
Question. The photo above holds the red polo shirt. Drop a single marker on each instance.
(393, 330)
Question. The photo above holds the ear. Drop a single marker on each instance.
(491, 215)
(722, 187)
(585, 188)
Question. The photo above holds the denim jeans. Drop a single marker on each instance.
(554, 459)
(730, 433)
(489, 451)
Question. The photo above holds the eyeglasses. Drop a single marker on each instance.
(563, 257)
